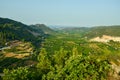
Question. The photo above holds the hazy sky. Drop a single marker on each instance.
(62, 12)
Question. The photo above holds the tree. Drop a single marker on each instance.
(21, 73)
(60, 57)
(44, 63)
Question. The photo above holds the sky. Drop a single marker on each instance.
(62, 12)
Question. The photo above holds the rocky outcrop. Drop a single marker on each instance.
(105, 38)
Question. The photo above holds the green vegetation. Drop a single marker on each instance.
(103, 30)
(43, 28)
(73, 57)
(22, 73)
(13, 30)
(66, 54)
(62, 65)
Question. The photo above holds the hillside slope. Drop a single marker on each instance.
(14, 30)
(19, 43)
(93, 31)
(103, 30)
(41, 27)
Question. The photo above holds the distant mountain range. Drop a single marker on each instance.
(60, 27)
(91, 32)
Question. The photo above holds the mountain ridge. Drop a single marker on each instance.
(14, 30)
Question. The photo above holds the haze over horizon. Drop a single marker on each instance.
(62, 12)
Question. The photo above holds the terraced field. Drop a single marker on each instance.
(15, 53)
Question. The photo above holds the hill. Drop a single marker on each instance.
(93, 31)
(20, 43)
(75, 30)
(103, 30)
(14, 30)
(43, 29)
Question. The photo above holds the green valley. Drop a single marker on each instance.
(37, 52)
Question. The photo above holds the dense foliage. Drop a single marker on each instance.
(63, 66)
